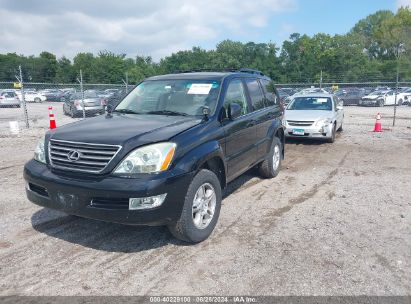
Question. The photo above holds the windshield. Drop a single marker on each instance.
(311, 103)
(168, 97)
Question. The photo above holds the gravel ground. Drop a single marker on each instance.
(336, 221)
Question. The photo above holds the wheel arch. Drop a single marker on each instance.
(208, 156)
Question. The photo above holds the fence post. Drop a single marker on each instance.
(321, 79)
(82, 93)
(126, 82)
(395, 101)
(23, 99)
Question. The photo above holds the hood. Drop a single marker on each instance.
(307, 115)
(120, 128)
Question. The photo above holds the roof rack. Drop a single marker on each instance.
(232, 70)
(251, 71)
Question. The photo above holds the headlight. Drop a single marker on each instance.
(148, 159)
(39, 153)
(323, 122)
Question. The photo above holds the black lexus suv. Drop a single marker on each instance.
(164, 153)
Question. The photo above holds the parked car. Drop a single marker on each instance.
(111, 92)
(404, 96)
(379, 98)
(302, 92)
(93, 104)
(31, 96)
(314, 115)
(116, 97)
(351, 96)
(164, 154)
(54, 95)
(9, 98)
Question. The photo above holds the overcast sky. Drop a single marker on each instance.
(160, 27)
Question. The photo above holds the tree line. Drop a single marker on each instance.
(372, 50)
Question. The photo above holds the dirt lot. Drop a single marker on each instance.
(336, 221)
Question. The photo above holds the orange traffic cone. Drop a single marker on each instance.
(52, 119)
(377, 127)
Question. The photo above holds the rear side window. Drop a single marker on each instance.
(269, 90)
(256, 94)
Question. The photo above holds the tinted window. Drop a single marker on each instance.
(270, 94)
(256, 94)
(236, 94)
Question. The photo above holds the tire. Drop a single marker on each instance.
(73, 114)
(271, 166)
(340, 129)
(381, 102)
(332, 138)
(192, 226)
(37, 100)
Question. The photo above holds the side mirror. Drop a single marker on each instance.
(109, 108)
(234, 111)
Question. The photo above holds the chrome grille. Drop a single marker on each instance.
(300, 123)
(92, 158)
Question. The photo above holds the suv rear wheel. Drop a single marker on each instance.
(201, 209)
(270, 167)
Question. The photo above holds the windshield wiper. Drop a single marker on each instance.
(126, 111)
(167, 112)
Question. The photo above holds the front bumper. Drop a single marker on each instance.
(106, 197)
(309, 132)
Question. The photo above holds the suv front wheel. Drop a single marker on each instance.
(270, 167)
(201, 209)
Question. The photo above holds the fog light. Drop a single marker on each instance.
(136, 203)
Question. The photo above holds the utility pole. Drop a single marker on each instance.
(23, 99)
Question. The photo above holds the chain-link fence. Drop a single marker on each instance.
(29, 105)
(26, 105)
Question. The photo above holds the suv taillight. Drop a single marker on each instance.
(104, 102)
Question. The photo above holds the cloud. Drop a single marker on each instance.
(403, 3)
(156, 28)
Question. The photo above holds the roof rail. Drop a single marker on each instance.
(251, 71)
(244, 70)
(205, 70)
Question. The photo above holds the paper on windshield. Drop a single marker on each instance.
(321, 100)
(200, 88)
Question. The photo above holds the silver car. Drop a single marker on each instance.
(314, 115)
(9, 98)
(93, 104)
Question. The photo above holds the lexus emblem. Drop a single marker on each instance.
(73, 155)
